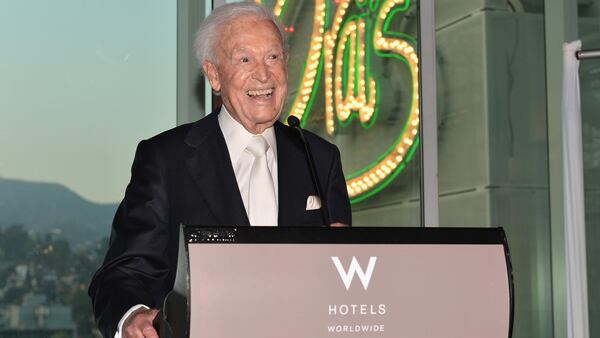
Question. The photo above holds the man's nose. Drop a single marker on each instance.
(261, 72)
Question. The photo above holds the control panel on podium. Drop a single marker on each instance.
(340, 282)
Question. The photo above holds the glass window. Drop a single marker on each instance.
(492, 138)
(82, 82)
(353, 75)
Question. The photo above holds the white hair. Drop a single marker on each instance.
(207, 35)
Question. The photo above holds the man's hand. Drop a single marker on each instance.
(139, 324)
(338, 225)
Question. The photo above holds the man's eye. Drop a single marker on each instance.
(273, 57)
(244, 59)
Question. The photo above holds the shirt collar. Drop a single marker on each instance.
(237, 137)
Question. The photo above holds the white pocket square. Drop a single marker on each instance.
(313, 202)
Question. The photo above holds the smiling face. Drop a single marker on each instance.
(251, 72)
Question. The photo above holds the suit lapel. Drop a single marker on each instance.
(291, 169)
(210, 166)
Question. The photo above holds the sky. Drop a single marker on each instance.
(81, 83)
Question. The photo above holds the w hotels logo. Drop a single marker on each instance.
(355, 269)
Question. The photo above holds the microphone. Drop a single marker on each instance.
(294, 122)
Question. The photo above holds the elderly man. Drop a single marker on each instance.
(237, 166)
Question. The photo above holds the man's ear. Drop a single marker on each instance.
(210, 69)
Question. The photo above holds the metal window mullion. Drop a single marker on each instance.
(428, 115)
(189, 15)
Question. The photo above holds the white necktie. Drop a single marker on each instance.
(262, 209)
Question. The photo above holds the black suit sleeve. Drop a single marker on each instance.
(136, 267)
(338, 202)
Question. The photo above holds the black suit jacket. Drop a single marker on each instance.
(185, 176)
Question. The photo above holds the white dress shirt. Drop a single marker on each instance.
(236, 138)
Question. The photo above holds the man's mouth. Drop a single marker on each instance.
(261, 93)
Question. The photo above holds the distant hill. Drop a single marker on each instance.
(49, 207)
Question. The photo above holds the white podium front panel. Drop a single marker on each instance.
(348, 290)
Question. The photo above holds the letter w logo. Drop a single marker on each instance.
(347, 277)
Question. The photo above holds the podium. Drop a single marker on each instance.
(341, 282)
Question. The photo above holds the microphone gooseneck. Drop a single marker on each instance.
(294, 122)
